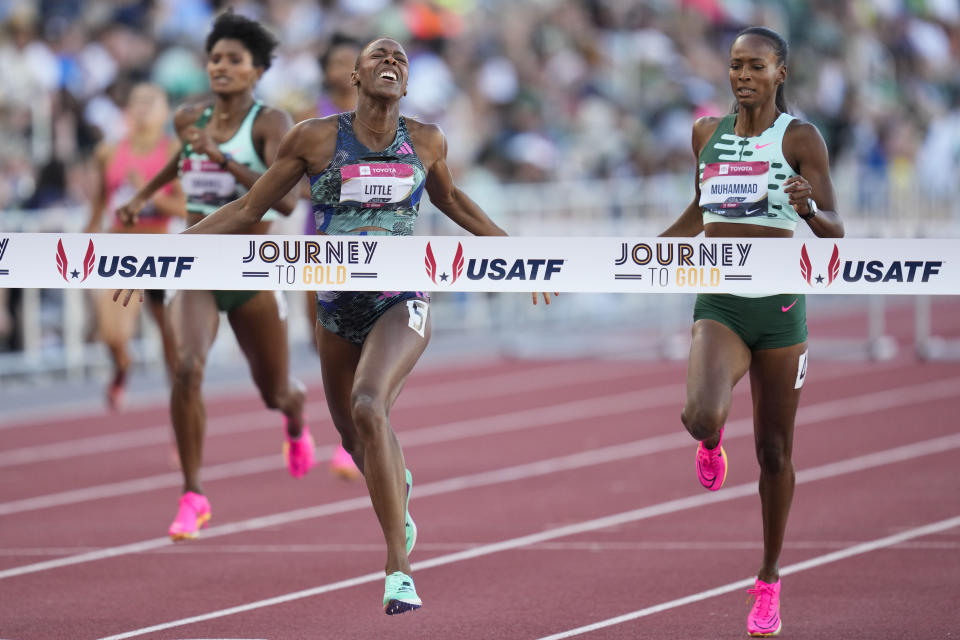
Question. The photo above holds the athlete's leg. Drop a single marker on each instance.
(312, 318)
(192, 319)
(116, 325)
(718, 359)
(338, 363)
(387, 357)
(155, 305)
(261, 331)
(774, 376)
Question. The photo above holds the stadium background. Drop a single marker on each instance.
(563, 117)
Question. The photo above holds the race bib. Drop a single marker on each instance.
(735, 189)
(204, 181)
(377, 184)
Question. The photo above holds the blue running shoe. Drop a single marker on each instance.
(399, 594)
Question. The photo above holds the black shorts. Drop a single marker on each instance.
(352, 314)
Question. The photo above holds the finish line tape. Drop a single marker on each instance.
(466, 263)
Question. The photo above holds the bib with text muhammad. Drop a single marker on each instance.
(735, 189)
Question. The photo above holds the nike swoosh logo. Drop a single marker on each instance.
(761, 146)
(785, 309)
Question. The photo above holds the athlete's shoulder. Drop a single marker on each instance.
(274, 116)
(803, 135)
(425, 135)
(322, 127)
(706, 124)
(703, 129)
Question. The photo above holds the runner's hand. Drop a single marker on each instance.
(129, 294)
(799, 191)
(546, 297)
(129, 213)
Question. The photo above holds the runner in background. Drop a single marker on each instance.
(228, 141)
(122, 169)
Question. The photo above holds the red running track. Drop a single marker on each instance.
(554, 499)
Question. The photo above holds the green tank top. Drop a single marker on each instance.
(741, 179)
(206, 185)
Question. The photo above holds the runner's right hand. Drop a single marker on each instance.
(129, 213)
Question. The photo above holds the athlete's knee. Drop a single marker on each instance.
(773, 457)
(188, 370)
(369, 415)
(701, 422)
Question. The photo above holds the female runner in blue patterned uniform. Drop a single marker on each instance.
(369, 341)
(782, 163)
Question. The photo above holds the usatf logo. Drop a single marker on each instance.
(430, 262)
(806, 267)
(869, 270)
(122, 266)
(492, 268)
(64, 268)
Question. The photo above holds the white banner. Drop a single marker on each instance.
(455, 263)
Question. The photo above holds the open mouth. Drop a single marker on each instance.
(389, 76)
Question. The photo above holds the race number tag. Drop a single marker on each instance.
(418, 315)
(801, 371)
(735, 189)
(377, 184)
(205, 181)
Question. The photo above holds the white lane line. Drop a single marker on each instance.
(422, 393)
(513, 421)
(416, 397)
(842, 467)
(812, 563)
(587, 546)
(473, 427)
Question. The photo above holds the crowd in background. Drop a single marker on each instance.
(531, 91)
(526, 91)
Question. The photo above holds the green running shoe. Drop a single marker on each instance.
(411, 526)
(399, 594)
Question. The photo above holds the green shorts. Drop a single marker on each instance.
(230, 300)
(769, 322)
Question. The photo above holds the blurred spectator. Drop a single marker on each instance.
(553, 89)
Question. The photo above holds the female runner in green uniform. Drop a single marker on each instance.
(228, 143)
(783, 163)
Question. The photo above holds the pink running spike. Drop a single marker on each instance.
(342, 465)
(193, 514)
(712, 465)
(764, 619)
(299, 453)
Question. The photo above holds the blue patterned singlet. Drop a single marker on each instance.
(362, 189)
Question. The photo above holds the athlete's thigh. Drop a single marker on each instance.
(261, 329)
(117, 323)
(192, 318)
(392, 348)
(338, 364)
(718, 360)
(776, 380)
